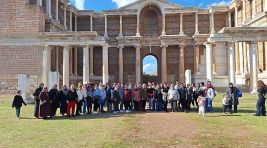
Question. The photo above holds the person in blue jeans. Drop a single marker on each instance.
(150, 93)
(261, 110)
(209, 95)
(17, 103)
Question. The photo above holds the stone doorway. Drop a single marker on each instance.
(150, 69)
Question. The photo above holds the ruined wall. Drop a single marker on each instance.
(113, 26)
(204, 23)
(189, 58)
(220, 21)
(129, 64)
(172, 24)
(173, 63)
(99, 25)
(83, 23)
(189, 24)
(129, 24)
(16, 17)
(113, 64)
(98, 62)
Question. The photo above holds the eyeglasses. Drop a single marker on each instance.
(45, 88)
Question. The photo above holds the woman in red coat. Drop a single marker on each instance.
(45, 104)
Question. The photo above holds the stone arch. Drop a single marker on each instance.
(151, 21)
(150, 68)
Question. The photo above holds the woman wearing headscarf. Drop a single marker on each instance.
(231, 94)
(62, 96)
(261, 110)
(53, 94)
(45, 104)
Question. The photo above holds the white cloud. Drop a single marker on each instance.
(79, 4)
(221, 3)
(121, 3)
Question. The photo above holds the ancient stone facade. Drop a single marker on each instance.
(42, 36)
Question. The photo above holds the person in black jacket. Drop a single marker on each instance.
(36, 99)
(17, 103)
(62, 96)
(71, 101)
(53, 95)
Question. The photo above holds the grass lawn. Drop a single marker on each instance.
(135, 129)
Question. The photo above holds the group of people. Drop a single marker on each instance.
(91, 98)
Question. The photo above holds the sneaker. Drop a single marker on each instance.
(121, 111)
(115, 112)
(127, 111)
(17, 118)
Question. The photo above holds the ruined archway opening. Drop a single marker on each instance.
(150, 68)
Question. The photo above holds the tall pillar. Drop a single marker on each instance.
(75, 61)
(66, 64)
(231, 63)
(46, 64)
(196, 24)
(197, 58)
(91, 22)
(241, 57)
(265, 53)
(138, 25)
(48, 8)
(253, 8)
(163, 25)
(253, 64)
(244, 12)
(181, 24)
(137, 64)
(236, 16)
(106, 26)
(230, 19)
(71, 60)
(75, 23)
(245, 58)
(105, 65)
(164, 77)
(237, 58)
(57, 11)
(212, 29)
(181, 64)
(85, 64)
(209, 61)
(91, 60)
(121, 63)
(121, 34)
(65, 17)
(70, 20)
(265, 6)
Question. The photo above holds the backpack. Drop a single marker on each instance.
(238, 93)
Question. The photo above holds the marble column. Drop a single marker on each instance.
(231, 63)
(75, 61)
(138, 25)
(253, 64)
(163, 24)
(91, 61)
(121, 34)
(253, 8)
(265, 6)
(241, 57)
(236, 16)
(91, 22)
(57, 11)
(181, 64)
(197, 58)
(164, 77)
(181, 24)
(120, 63)
(70, 20)
(230, 19)
(244, 12)
(48, 8)
(237, 58)
(196, 24)
(245, 58)
(106, 26)
(85, 64)
(265, 54)
(209, 61)
(137, 63)
(105, 65)
(65, 17)
(75, 23)
(212, 29)
(46, 64)
(66, 65)
(71, 60)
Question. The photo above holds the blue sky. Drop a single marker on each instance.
(99, 5)
(150, 65)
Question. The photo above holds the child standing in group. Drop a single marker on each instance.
(17, 103)
(226, 104)
(201, 103)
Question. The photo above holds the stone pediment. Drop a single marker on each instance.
(140, 4)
